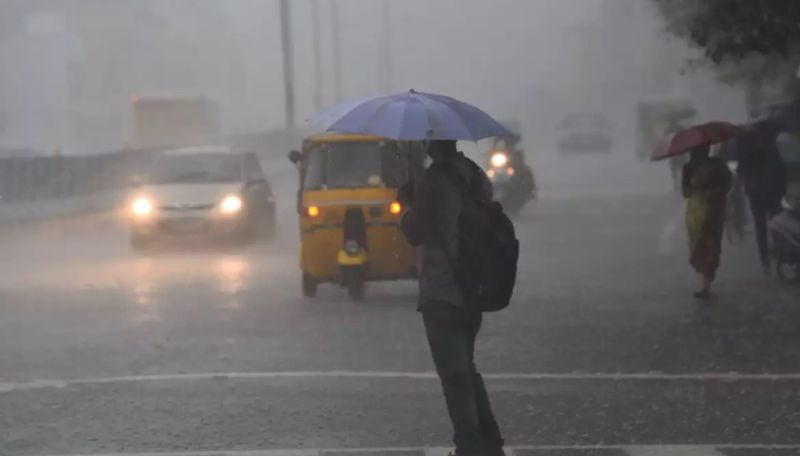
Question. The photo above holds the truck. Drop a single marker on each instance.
(173, 120)
(655, 117)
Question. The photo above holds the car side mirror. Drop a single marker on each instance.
(295, 156)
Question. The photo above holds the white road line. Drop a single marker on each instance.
(673, 451)
(644, 376)
(632, 450)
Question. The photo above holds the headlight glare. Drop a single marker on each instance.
(499, 159)
(141, 207)
(231, 204)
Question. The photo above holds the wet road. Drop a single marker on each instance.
(105, 351)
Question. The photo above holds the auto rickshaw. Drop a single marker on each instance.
(349, 213)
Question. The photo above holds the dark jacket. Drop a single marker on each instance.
(432, 223)
(761, 168)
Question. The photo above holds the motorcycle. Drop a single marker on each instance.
(785, 235)
(513, 186)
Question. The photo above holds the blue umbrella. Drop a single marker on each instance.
(411, 116)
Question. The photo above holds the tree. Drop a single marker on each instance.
(751, 42)
(733, 30)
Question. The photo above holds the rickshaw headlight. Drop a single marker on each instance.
(351, 247)
(499, 159)
(395, 208)
(231, 204)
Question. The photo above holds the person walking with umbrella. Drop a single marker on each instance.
(705, 183)
(764, 176)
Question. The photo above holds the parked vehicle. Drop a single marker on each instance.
(785, 227)
(655, 117)
(585, 133)
(785, 240)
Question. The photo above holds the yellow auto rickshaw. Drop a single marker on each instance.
(349, 213)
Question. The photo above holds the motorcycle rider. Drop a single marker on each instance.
(523, 172)
(523, 177)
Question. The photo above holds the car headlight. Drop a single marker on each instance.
(499, 159)
(141, 207)
(231, 204)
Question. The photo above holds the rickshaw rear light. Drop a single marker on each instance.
(313, 211)
(395, 208)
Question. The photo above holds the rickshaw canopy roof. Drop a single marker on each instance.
(342, 137)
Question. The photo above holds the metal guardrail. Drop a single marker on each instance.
(25, 179)
(42, 187)
(35, 188)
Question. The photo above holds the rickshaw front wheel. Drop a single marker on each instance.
(355, 290)
(309, 286)
(354, 282)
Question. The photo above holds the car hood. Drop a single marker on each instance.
(190, 194)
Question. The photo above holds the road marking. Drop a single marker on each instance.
(577, 376)
(673, 451)
(631, 450)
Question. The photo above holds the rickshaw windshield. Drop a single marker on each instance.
(352, 165)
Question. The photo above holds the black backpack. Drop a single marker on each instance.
(486, 267)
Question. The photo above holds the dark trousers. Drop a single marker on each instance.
(762, 215)
(451, 336)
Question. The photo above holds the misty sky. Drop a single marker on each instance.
(463, 48)
(529, 60)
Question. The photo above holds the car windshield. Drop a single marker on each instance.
(353, 165)
(196, 168)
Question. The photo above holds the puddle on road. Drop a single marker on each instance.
(145, 277)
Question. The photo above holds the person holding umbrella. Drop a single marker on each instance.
(431, 220)
(705, 183)
(764, 176)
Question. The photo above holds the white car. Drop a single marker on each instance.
(201, 192)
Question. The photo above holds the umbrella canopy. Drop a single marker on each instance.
(411, 116)
(699, 135)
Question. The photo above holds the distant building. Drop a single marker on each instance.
(68, 68)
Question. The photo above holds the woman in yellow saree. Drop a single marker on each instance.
(705, 183)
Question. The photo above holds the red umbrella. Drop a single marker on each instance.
(699, 135)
